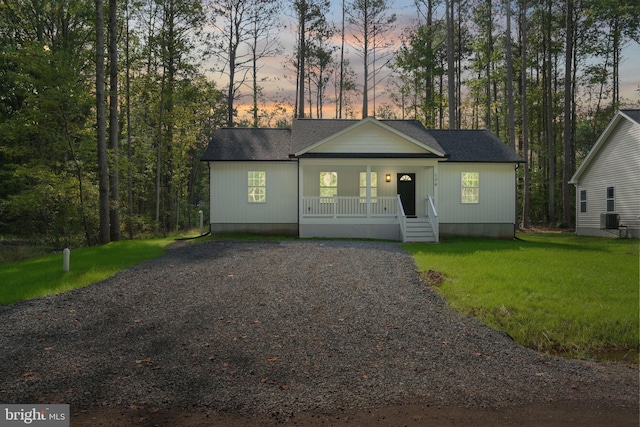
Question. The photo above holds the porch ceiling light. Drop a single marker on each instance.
(388, 177)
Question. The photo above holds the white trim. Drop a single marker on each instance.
(378, 123)
(599, 144)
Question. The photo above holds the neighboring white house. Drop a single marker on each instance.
(607, 182)
(386, 179)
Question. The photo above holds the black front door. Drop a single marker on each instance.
(407, 192)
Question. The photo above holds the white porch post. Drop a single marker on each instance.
(301, 212)
(435, 183)
(368, 191)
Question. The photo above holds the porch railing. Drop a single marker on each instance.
(402, 218)
(432, 214)
(349, 206)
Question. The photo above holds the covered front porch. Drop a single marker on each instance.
(368, 199)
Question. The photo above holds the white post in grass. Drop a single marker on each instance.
(201, 220)
(66, 253)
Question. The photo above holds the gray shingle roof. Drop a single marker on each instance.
(249, 144)
(237, 144)
(474, 146)
(632, 114)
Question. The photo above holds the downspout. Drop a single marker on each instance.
(293, 157)
(208, 232)
(515, 185)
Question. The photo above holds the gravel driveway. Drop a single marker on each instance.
(279, 328)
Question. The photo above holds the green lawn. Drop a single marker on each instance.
(43, 275)
(557, 293)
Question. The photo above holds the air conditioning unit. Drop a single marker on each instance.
(609, 221)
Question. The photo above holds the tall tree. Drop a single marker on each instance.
(263, 43)
(342, 62)
(568, 118)
(372, 23)
(451, 81)
(114, 205)
(101, 124)
(526, 203)
(510, 100)
(310, 16)
(232, 20)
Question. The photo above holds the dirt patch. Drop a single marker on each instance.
(432, 277)
(410, 414)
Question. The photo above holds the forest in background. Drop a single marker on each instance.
(106, 107)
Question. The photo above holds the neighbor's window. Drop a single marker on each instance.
(470, 187)
(611, 205)
(363, 185)
(257, 186)
(328, 184)
(583, 200)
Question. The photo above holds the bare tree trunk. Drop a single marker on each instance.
(302, 48)
(488, 70)
(525, 131)
(341, 93)
(551, 145)
(128, 109)
(365, 88)
(114, 208)
(510, 106)
(568, 97)
(103, 168)
(616, 62)
(451, 66)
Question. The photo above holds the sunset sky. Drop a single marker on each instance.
(280, 83)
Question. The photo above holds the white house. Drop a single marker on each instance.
(385, 179)
(607, 182)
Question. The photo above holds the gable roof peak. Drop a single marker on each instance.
(311, 133)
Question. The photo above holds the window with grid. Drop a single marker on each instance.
(328, 186)
(257, 186)
(611, 202)
(583, 201)
(363, 186)
(470, 187)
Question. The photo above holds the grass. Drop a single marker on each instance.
(43, 275)
(556, 293)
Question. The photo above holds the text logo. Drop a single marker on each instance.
(34, 415)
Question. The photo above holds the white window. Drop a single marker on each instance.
(328, 185)
(257, 186)
(363, 186)
(583, 201)
(470, 187)
(611, 200)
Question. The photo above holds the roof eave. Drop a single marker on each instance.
(596, 147)
(379, 123)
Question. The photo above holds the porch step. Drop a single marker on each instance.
(418, 230)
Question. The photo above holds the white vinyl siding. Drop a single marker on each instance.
(616, 165)
(228, 188)
(496, 186)
(368, 138)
